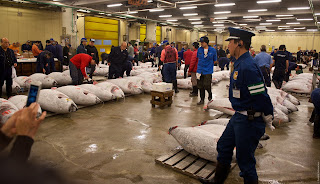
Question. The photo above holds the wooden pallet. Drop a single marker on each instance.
(188, 164)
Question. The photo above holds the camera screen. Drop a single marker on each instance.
(32, 97)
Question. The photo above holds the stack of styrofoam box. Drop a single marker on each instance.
(162, 87)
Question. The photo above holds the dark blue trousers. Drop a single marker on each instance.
(6, 76)
(244, 135)
(170, 72)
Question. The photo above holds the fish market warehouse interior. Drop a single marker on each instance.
(160, 91)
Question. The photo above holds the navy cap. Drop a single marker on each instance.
(84, 39)
(51, 39)
(239, 34)
(204, 39)
(92, 40)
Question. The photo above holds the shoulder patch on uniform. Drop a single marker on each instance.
(235, 75)
(256, 89)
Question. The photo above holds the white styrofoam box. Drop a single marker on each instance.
(162, 87)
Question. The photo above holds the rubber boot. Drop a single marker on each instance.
(202, 94)
(221, 174)
(210, 94)
(316, 127)
(175, 86)
(194, 92)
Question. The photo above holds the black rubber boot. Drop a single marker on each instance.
(210, 95)
(194, 92)
(202, 94)
(175, 86)
(316, 127)
(221, 174)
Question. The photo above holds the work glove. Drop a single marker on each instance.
(268, 120)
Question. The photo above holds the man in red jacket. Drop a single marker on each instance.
(187, 55)
(193, 69)
(77, 66)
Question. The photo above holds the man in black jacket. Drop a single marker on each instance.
(7, 60)
(93, 52)
(66, 54)
(117, 58)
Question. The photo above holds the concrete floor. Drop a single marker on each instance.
(117, 142)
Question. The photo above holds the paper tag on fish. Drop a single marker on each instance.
(236, 93)
(198, 75)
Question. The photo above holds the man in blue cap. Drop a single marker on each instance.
(249, 98)
(82, 47)
(207, 56)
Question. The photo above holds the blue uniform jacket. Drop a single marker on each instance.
(3, 57)
(42, 60)
(152, 51)
(59, 52)
(205, 64)
(81, 49)
(51, 49)
(248, 78)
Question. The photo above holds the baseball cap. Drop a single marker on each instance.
(239, 34)
(204, 39)
(92, 40)
(84, 40)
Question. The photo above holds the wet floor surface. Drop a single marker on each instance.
(117, 142)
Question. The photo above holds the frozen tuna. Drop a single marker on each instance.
(15, 87)
(79, 95)
(222, 105)
(55, 101)
(101, 93)
(141, 82)
(62, 79)
(127, 86)
(24, 82)
(46, 81)
(20, 102)
(220, 121)
(114, 89)
(184, 83)
(7, 109)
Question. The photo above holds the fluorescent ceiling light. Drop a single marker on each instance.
(163, 24)
(275, 20)
(221, 18)
(225, 4)
(299, 28)
(114, 5)
(198, 25)
(172, 20)
(236, 27)
(284, 15)
(265, 24)
(193, 19)
(293, 23)
(317, 14)
(258, 10)
(291, 30)
(249, 17)
(156, 10)
(283, 26)
(84, 11)
(312, 29)
(190, 14)
(188, 7)
(149, 1)
(101, 13)
(182, 2)
(196, 22)
(133, 12)
(165, 16)
(222, 12)
(270, 30)
(269, 1)
(303, 19)
(299, 8)
(285, 18)
(218, 25)
(243, 24)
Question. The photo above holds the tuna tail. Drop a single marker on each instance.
(172, 128)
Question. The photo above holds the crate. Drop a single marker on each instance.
(161, 98)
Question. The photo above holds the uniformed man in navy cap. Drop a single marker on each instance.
(249, 98)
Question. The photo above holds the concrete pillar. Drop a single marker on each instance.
(194, 36)
(69, 26)
(219, 39)
(151, 32)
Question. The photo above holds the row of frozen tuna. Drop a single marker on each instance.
(283, 104)
(301, 83)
